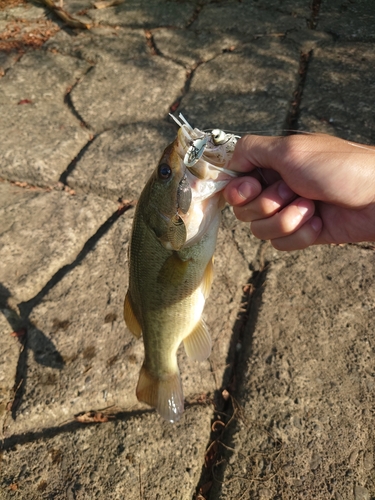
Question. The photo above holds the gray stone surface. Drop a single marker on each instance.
(309, 373)
(293, 333)
(150, 14)
(27, 11)
(79, 354)
(203, 45)
(100, 44)
(132, 457)
(33, 110)
(245, 20)
(9, 354)
(339, 91)
(41, 232)
(107, 96)
(249, 98)
(118, 162)
(6, 61)
(354, 19)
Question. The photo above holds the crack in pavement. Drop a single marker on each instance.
(68, 99)
(291, 121)
(21, 319)
(72, 165)
(26, 307)
(315, 8)
(227, 410)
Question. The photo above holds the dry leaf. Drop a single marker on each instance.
(92, 416)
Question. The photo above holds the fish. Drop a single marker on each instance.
(171, 250)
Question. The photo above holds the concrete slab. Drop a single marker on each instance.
(251, 99)
(151, 14)
(41, 75)
(246, 20)
(41, 232)
(10, 346)
(26, 11)
(118, 162)
(307, 378)
(202, 46)
(339, 92)
(348, 20)
(101, 44)
(6, 61)
(107, 96)
(40, 135)
(135, 456)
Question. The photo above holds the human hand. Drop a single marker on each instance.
(321, 189)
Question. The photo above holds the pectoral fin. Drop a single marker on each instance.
(208, 278)
(177, 232)
(130, 319)
(164, 394)
(173, 270)
(198, 343)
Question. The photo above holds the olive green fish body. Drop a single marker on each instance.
(167, 292)
(170, 271)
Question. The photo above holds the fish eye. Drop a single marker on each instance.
(164, 171)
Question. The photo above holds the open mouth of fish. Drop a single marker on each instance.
(206, 156)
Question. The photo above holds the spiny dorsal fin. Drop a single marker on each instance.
(164, 394)
(198, 343)
(130, 319)
(177, 232)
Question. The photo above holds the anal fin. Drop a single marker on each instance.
(198, 343)
(130, 319)
(164, 394)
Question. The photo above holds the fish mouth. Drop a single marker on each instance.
(205, 157)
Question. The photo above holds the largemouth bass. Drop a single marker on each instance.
(171, 260)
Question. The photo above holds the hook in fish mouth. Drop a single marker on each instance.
(208, 146)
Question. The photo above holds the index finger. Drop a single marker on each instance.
(254, 151)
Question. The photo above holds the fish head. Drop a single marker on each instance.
(167, 198)
(184, 194)
(168, 183)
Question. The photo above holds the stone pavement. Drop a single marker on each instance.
(285, 407)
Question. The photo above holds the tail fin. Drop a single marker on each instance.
(164, 394)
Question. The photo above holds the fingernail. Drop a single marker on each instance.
(302, 207)
(284, 191)
(316, 223)
(246, 190)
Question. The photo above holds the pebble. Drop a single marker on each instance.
(361, 493)
(368, 460)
